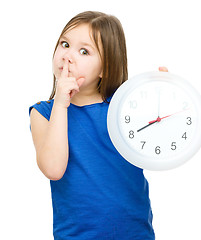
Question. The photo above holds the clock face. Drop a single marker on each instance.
(154, 121)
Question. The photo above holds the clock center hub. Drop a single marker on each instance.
(158, 119)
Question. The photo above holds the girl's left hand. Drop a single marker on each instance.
(163, 69)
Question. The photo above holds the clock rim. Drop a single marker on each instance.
(114, 129)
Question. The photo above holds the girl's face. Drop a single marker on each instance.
(79, 50)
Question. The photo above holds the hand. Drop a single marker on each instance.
(159, 119)
(66, 87)
(147, 125)
(163, 69)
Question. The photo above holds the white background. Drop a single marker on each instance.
(158, 33)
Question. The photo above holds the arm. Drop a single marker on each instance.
(51, 138)
(51, 141)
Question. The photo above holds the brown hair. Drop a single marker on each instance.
(108, 30)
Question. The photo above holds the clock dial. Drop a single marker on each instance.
(154, 121)
(157, 119)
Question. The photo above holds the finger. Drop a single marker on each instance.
(163, 69)
(76, 90)
(80, 81)
(65, 69)
(73, 92)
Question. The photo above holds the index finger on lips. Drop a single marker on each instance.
(65, 69)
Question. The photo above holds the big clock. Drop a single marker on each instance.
(154, 120)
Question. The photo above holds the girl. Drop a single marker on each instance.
(96, 194)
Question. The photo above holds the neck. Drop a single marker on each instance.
(81, 98)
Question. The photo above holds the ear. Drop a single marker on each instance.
(101, 74)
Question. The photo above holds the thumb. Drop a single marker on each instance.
(80, 81)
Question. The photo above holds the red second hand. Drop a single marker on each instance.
(159, 119)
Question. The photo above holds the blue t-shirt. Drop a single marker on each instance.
(101, 195)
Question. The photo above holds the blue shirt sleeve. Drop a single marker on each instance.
(43, 107)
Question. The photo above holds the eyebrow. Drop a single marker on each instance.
(81, 43)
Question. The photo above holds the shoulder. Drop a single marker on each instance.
(43, 107)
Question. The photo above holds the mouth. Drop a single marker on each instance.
(61, 69)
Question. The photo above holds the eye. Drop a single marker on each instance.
(84, 51)
(65, 44)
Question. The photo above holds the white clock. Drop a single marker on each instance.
(154, 120)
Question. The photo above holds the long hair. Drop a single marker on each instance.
(107, 31)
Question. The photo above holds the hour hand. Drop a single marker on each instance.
(146, 126)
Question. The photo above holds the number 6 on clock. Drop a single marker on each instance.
(154, 120)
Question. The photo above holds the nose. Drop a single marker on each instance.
(68, 56)
(68, 59)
